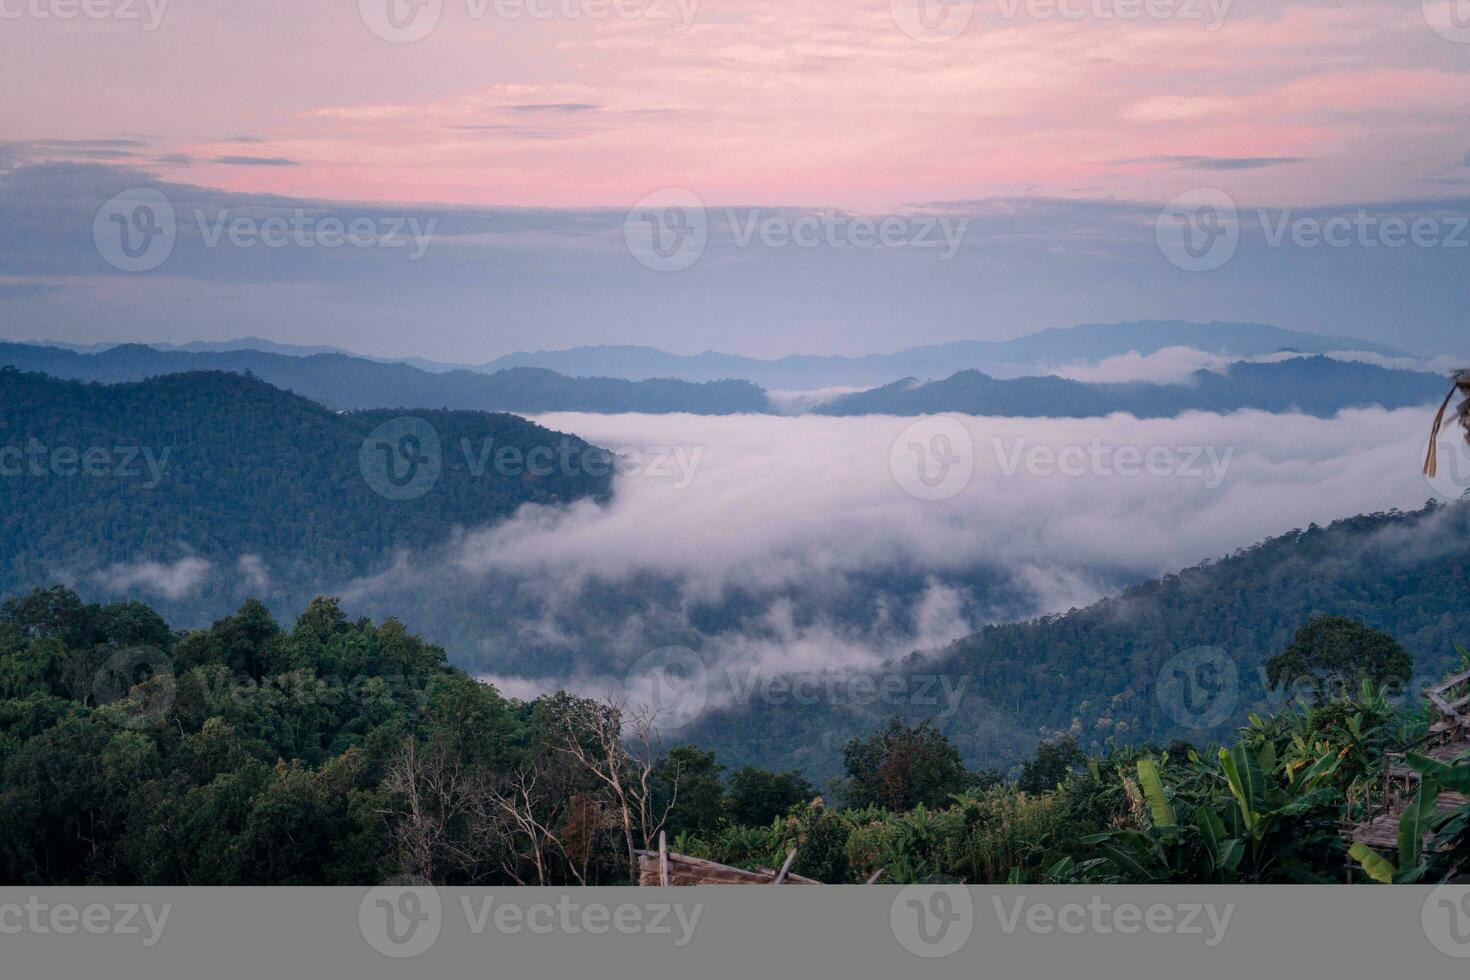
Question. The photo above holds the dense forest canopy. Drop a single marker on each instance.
(1094, 672)
(339, 751)
(222, 466)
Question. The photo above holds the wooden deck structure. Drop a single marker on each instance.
(665, 868)
(1448, 742)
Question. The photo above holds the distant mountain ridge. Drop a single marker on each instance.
(1028, 354)
(1087, 343)
(1317, 386)
(348, 382)
(598, 379)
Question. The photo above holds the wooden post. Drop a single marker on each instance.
(785, 867)
(663, 859)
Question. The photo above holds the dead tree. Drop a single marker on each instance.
(592, 734)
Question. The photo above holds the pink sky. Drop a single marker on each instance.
(810, 102)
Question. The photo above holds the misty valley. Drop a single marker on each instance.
(951, 594)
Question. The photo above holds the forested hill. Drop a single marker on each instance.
(1096, 671)
(345, 382)
(223, 479)
(1318, 386)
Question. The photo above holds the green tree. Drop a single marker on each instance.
(1054, 761)
(1334, 655)
(757, 797)
(691, 778)
(899, 767)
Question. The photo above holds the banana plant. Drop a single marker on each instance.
(1419, 820)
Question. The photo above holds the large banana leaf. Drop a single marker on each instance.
(1413, 826)
(1376, 865)
(1456, 779)
(1153, 791)
(1247, 783)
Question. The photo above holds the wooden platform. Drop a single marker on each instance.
(686, 870)
(1450, 700)
(1382, 832)
(1447, 753)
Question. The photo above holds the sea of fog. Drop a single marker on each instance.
(778, 543)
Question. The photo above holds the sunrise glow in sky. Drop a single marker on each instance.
(804, 102)
(526, 130)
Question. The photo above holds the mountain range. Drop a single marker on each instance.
(1031, 354)
(347, 382)
(1312, 384)
(1040, 352)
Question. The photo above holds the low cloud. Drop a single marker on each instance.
(795, 547)
(174, 581)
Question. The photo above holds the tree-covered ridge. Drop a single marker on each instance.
(221, 465)
(347, 752)
(346, 382)
(1095, 672)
